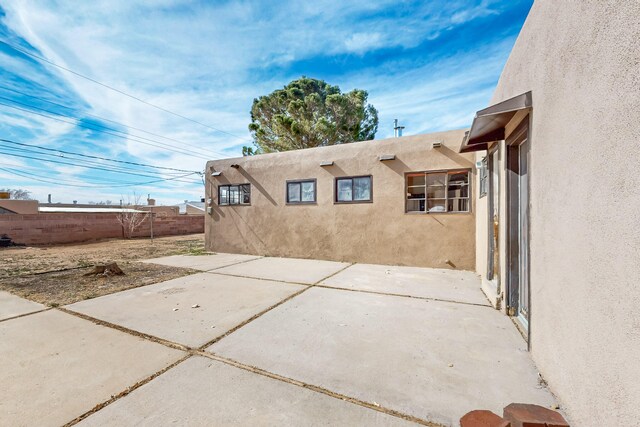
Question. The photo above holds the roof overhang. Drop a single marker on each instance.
(488, 124)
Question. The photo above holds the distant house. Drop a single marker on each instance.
(191, 208)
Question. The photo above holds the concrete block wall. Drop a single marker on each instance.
(54, 228)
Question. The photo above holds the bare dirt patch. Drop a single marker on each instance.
(54, 275)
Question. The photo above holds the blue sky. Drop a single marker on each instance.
(431, 64)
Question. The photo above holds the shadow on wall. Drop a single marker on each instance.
(335, 170)
(456, 157)
(401, 168)
(257, 185)
(398, 166)
(216, 212)
(264, 251)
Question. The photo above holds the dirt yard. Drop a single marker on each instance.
(54, 275)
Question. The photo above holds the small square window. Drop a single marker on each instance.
(303, 191)
(353, 189)
(235, 194)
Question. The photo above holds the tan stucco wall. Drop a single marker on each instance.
(26, 207)
(581, 61)
(378, 232)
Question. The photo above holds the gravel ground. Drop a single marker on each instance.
(54, 275)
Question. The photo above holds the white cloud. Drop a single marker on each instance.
(469, 14)
(361, 42)
(205, 62)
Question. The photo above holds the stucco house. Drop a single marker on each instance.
(540, 197)
(557, 238)
(396, 201)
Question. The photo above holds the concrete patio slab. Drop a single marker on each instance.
(56, 367)
(202, 392)
(431, 359)
(165, 309)
(294, 270)
(12, 306)
(448, 285)
(202, 262)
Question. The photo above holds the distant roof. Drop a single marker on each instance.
(51, 209)
(197, 205)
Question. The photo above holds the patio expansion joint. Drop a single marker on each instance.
(26, 314)
(257, 278)
(338, 288)
(157, 340)
(268, 309)
(235, 263)
(212, 356)
(126, 391)
(317, 389)
(254, 317)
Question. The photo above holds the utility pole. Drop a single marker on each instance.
(150, 213)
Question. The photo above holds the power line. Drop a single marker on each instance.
(97, 179)
(72, 164)
(105, 119)
(92, 164)
(87, 164)
(94, 157)
(109, 131)
(35, 178)
(118, 90)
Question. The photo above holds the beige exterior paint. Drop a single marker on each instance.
(379, 232)
(581, 61)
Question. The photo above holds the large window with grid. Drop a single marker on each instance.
(234, 194)
(438, 192)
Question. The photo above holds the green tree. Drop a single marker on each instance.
(310, 113)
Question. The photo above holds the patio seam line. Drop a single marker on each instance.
(126, 391)
(258, 315)
(317, 389)
(210, 355)
(257, 257)
(258, 278)
(201, 352)
(149, 261)
(252, 318)
(402, 295)
(157, 340)
(26, 314)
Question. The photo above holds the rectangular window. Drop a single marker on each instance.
(353, 189)
(483, 173)
(235, 194)
(303, 191)
(436, 192)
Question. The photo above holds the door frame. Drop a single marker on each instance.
(515, 263)
(493, 167)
